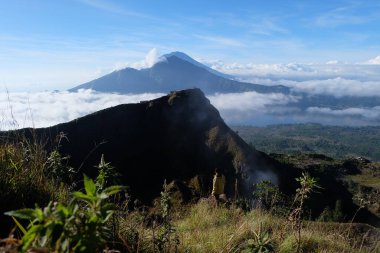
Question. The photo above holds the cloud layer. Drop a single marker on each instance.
(332, 78)
(42, 109)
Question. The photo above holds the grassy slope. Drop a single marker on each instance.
(205, 228)
(332, 141)
(202, 227)
(360, 179)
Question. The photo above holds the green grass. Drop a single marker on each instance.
(202, 227)
(365, 180)
(25, 179)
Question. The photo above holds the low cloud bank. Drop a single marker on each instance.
(42, 109)
(252, 107)
(331, 78)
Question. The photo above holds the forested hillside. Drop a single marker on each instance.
(334, 141)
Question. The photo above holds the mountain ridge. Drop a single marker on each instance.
(177, 136)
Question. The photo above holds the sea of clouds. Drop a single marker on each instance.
(42, 109)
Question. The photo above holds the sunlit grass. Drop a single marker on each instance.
(207, 228)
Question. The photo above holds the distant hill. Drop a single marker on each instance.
(177, 72)
(334, 141)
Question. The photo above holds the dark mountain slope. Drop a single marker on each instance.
(171, 74)
(178, 136)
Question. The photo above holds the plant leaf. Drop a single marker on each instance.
(23, 230)
(113, 189)
(84, 197)
(89, 186)
(25, 213)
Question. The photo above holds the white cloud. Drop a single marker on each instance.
(252, 107)
(41, 109)
(352, 14)
(151, 58)
(338, 87)
(333, 78)
(368, 113)
(108, 6)
(333, 62)
(222, 41)
(375, 60)
(266, 26)
(249, 101)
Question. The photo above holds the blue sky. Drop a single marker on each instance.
(51, 44)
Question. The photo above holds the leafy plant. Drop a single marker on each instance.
(24, 179)
(260, 243)
(79, 226)
(267, 194)
(107, 174)
(307, 186)
(57, 164)
(58, 168)
(362, 199)
(244, 204)
(167, 236)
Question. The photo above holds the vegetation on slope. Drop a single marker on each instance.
(333, 141)
(30, 175)
(276, 224)
(268, 219)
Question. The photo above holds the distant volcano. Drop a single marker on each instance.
(177, 71)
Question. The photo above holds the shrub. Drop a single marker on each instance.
(79, 226)
(260, 243)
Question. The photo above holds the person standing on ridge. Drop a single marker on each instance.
(218, 184)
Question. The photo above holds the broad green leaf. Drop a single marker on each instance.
(84, 197)
(39, 213)
(89, 186)
(29, 237)
(113, 189)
